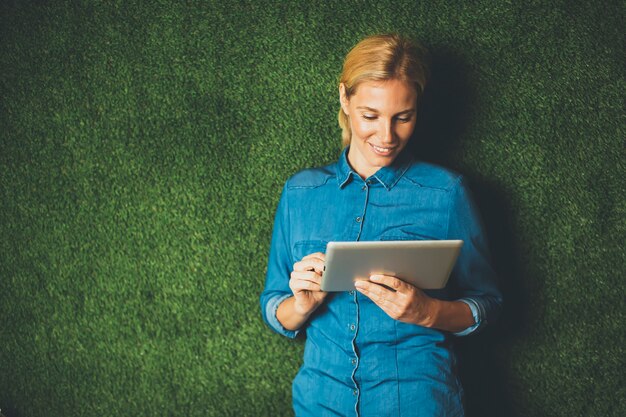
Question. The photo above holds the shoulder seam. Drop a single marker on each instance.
(453, 183)
(451, 178)
(295, 187)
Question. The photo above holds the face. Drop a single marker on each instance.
(382, 119)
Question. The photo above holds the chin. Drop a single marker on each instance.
(380, 161)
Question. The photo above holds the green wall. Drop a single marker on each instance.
(143, 147)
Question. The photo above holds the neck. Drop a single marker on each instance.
(358, 164)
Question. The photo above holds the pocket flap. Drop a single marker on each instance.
(303, 248)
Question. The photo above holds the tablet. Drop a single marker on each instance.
(425, 264)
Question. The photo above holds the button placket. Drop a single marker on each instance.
(354, 358)
(359, 217)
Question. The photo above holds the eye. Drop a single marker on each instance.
(405, 119)
(369, 116)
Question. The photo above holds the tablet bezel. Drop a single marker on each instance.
(426, 264)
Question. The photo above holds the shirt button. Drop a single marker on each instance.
(358, 219)
(351, 292)
(364, 188)
(352, 327)
(355, 392)
(353, 361)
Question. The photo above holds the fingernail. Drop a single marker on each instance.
(375, 278)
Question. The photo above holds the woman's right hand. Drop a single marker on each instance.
(305, 282)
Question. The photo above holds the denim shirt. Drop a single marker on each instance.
(358, 361)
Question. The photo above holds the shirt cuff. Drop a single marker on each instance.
(476, 313)
(272, 320)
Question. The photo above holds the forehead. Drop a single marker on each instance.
(385, 95)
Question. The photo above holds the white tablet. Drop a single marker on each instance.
(425, 264)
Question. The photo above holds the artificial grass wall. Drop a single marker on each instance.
(143, 147)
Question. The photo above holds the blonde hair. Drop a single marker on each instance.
(381, 58)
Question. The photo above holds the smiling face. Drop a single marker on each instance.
(382, 119)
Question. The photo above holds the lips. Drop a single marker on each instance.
(382, 151)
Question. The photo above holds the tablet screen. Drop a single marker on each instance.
(426, 264)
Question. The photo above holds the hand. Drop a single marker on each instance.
(305, 282)
(401, 301)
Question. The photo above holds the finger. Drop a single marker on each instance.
(318, 255)
(298, 285)
(375, 292)
(403, 292)
(309, 264)
(306, 276)
(384, 298)
(380, 294)
(392, 282)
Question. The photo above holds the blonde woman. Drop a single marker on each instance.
(383, 349)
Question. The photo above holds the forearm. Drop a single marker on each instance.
(451, 316)
(289, 317)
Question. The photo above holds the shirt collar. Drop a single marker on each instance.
(344, 170)
(387, 176)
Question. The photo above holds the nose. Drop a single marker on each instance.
(386, 135)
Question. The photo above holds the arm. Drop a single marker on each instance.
(305, 284)
(288, 317)
(289, 297)
(409, 304)
(474, 278)
(279, 265)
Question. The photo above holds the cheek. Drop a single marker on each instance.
(406, 130)
(363, 129)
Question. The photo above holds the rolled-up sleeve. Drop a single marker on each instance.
(278, 269)
(474, 277)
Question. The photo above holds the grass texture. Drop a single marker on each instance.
(143, 147)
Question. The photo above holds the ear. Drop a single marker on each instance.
(343, 99)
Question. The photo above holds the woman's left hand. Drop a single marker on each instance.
(401, 301)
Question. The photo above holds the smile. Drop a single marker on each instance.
(382, 151)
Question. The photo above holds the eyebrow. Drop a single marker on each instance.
(376, 111)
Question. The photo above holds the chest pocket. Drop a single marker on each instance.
(405, 233)
(306, 247)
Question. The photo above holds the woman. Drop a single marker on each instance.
(384, 349)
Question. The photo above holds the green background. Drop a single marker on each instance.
(143, 147)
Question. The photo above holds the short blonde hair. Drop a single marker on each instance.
(381, 58)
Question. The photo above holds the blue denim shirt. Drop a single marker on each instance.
(358, 361)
